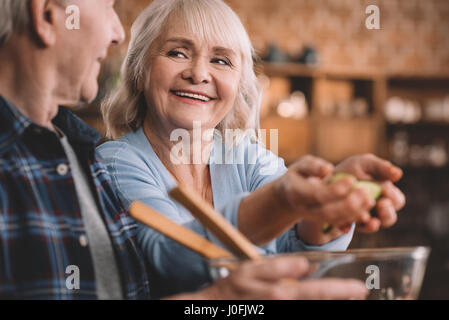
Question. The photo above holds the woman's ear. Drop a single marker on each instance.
(44, 22)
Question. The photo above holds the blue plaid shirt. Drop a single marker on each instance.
(42, 235)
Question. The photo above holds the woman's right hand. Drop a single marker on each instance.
(261, 280)
(304, 191)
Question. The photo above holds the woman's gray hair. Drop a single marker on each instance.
(124, 110)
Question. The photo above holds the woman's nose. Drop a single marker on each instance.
(198, 72)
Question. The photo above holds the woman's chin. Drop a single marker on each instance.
(190, 122)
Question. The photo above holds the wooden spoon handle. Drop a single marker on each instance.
(178, 233)
(232, 238)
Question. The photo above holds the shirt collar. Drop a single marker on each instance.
(13, 124)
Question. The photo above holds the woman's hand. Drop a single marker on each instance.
(303, 197)
(370, 167)
(303, 191)
(260, 280)
(310, 230)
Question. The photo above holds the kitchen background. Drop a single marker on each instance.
(333, 88)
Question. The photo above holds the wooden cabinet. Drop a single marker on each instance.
(294, 136)
(333, 133)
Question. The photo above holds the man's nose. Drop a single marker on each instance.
(118, 31)
(198, 71)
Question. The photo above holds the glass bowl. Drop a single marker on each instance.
(388, 273)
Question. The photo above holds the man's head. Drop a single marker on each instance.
(38, 29)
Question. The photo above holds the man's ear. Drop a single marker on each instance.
(139, 84)
(44, 20)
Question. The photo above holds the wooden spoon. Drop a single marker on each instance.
(180, 234)
(232, 238)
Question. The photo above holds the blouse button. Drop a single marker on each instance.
(83, 240)
(62, 169)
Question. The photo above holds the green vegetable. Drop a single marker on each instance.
(372, 188)
(338, 176)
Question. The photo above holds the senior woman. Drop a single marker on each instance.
(189, 68)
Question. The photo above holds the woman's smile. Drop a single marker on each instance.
(192, 97)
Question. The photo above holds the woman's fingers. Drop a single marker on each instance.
(314, 191)
(313, 166)
(340, 188)
(372, 226)
(353, 208)
(386, 212)
(370, 167)
(390, 191)
(347, 228)
(380, 169)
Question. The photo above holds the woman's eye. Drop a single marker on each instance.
(224, 62)
(176, 54)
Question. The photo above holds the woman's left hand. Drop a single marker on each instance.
(370, 167)
(363, 167)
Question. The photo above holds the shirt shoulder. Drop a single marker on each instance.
(129, 160)
(121, 151)
(133, 146)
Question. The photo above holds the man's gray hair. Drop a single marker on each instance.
(14, 17)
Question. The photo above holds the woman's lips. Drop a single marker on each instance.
(192, 94)
(191, 101)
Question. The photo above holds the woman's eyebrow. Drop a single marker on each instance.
(184, 41)
(189, 44)
(224, 51)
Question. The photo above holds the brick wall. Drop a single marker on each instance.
(414, 34)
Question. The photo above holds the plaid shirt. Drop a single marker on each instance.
(41, 227)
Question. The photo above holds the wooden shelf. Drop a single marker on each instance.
(288, 70)
(418, 76)
(419, 125)
(291, 69)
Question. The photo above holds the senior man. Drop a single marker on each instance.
(63, 232)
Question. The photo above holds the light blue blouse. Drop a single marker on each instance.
(138, 174)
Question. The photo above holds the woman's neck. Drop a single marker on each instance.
(181, 157)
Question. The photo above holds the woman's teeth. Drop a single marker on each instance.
(192, 96)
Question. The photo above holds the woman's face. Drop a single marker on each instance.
(190, 80)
